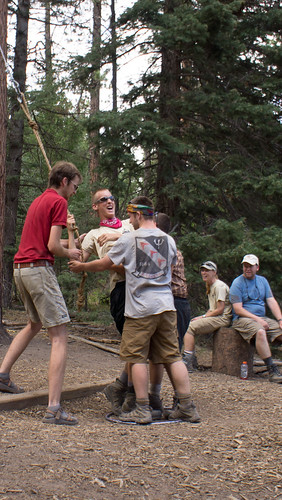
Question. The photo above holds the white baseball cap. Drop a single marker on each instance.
(250, 259)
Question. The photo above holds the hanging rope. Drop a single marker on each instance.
(35, 128)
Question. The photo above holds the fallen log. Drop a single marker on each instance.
(95, 344)
(40, 397)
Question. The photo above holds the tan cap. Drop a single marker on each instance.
(250, 259)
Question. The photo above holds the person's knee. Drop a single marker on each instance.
(58, 333)
(35, 327)
(261, 335)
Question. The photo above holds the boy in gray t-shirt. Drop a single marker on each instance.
(147, 255)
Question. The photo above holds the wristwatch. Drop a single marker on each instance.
(203, 316)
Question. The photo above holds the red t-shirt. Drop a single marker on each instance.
(49, 209)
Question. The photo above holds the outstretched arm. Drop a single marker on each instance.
(94, 266)
(56, 248)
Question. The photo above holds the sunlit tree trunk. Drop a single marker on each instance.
(3, 133)
(15, 148)
(168, 165)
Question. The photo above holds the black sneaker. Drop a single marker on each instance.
(275, 375)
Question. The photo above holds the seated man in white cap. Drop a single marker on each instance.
(249, 294)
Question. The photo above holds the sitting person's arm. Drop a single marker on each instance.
(275, 309)
(216, 312)
(244, 313)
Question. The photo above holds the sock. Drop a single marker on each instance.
(123, 378)
(188, 352)
(155, 389)
(268, 362)
(142, 402)
(184, 399)
(54, 408)
(5, 376)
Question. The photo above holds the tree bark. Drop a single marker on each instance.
(15, 149)
(4, 337)
(95, 91)
(168, 164)
(229, 352)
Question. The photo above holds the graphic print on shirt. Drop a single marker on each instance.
(151, 257)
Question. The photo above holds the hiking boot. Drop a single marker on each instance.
(188, 361)
(275, 375)
(195, 362)
(129, 401)
(140, 415)
(188, 413)
(6, 385)
(115, 393)
(156, 406)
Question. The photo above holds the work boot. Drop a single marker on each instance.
(129, 401)
(188, 361)
(156, 406)
(140, 415)
(274, 374)
(115, 393)
(186, 412)
(195, 361)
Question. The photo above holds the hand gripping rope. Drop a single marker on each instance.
(33, 125)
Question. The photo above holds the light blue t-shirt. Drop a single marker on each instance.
(252, 293)
(147, 256)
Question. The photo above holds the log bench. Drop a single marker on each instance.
(229, 352)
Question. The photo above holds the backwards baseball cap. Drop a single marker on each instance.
(211, 266)
(250, 259)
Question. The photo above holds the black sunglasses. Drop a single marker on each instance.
(105, 198)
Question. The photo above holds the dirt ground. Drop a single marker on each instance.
(234, 453)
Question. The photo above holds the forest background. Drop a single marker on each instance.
(197, 127)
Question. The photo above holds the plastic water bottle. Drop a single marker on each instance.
(244, 370)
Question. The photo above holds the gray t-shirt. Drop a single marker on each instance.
(147, 256)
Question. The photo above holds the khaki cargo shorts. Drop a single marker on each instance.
(248, 328)
(41, 295)
(153, 337)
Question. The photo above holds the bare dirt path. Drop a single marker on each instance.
(234, 453)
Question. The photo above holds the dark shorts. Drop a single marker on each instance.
(117, 304)
(182, 307)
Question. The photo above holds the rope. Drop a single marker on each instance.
(35, 128)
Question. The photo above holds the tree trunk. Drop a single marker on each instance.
(229, 352)
(15, 148)
(48, 43)
(169, 162)
(4, 337)
(95, 91)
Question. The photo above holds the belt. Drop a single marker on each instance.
(37, 263)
